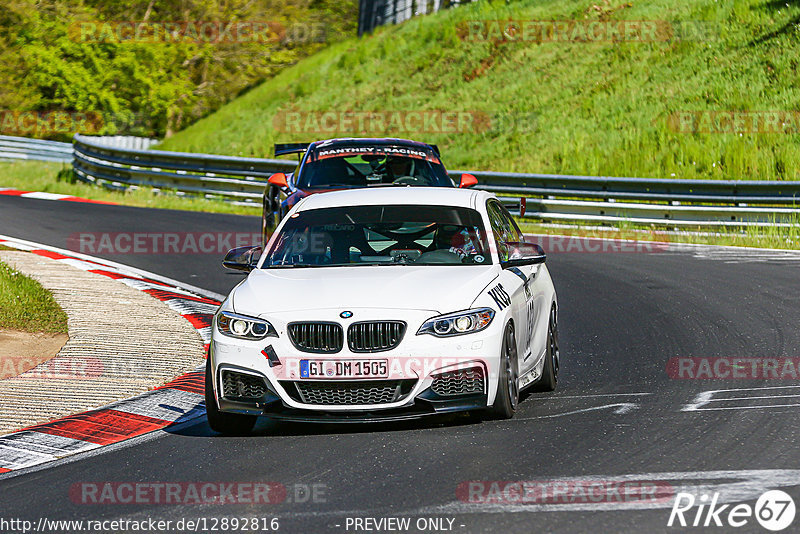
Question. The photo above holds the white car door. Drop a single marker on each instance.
(526, 290)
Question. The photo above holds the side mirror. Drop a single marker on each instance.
(522, 253)
(279, 180)
(242, 258)
(467, 180)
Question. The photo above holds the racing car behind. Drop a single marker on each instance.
(349, 163)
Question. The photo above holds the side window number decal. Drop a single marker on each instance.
(500, 296)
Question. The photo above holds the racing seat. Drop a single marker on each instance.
(439, 249)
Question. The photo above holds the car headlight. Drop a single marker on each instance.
(456, 324)
(244, 327)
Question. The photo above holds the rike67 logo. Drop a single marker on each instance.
(774, 510)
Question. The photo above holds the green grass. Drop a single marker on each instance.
(25, 305)
(48, 177)
(600, 108)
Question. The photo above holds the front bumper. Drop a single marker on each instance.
(420, 408)
(412, 372)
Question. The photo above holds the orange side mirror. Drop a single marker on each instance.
(279, 180)
(467, 180)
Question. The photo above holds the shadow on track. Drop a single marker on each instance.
(267, 427)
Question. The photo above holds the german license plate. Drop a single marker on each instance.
(343, 369)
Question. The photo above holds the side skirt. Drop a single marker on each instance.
(534, 374)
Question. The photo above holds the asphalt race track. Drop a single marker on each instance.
(616, 412)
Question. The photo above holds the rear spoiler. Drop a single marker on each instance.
(281, 149)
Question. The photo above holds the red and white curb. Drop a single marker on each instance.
(40, 195)
(173, 403)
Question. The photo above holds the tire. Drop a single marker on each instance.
(549, 379)
(507, 398)
(228, 424)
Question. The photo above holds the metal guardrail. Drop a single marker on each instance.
(374, 13)
(239, 180)
(670, 202)
(34, 149)
(125, 141)
(550, 197)
(649, 189)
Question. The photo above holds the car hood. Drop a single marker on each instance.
(436, 288)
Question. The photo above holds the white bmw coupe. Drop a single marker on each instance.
(380, 305)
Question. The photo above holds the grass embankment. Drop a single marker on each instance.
(26, 306)
(600, 108)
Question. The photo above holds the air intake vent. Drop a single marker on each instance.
(460, 382)
(242, 386)
(320, 338)
(375, 336)
(339, 393)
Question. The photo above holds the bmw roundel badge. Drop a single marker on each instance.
(346, 314)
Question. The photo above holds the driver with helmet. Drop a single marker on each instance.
(398, 167)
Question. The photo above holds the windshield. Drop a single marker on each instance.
(380, 235)
(344, 166)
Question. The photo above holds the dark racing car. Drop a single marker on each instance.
(338, 164)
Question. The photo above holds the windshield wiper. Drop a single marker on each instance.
(290, 265)
(327, 186)
(314, 265)
(359, 264)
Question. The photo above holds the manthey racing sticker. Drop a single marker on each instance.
(348, 151)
